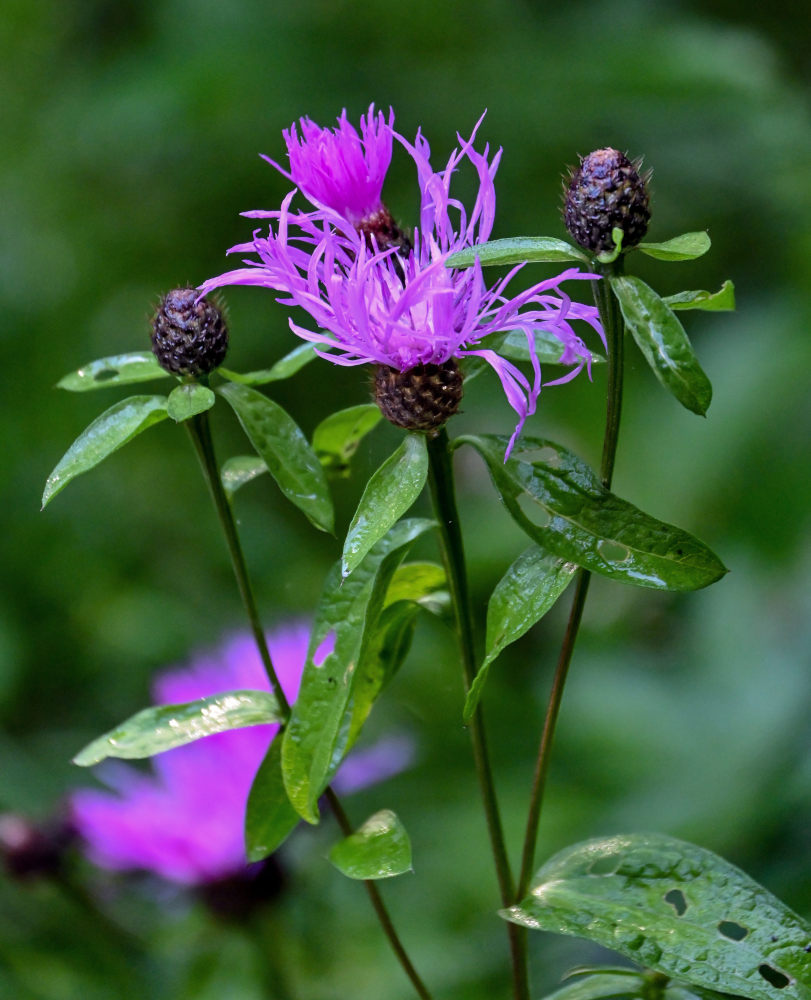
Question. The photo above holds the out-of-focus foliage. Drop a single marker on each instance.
(130, 140)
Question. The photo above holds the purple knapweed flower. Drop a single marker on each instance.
(402, 307)
(185, 820)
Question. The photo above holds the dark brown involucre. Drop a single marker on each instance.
(420, 399)
(188, 337)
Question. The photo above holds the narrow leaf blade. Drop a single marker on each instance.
(119, 369)
(661, 338)
(279, 441)
(336, 438)
(518, 249)
(380, 848)
(164, 727)
(721, 301)
(188, 400)
(269, 817)
(283, 369)
(688, 246)
(108, 432)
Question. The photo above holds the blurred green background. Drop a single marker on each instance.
(130, 138)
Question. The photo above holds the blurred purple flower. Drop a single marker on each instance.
(185, 821)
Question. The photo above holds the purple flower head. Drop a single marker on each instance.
(185, 820)
(337, 169)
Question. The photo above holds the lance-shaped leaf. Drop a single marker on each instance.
(419, 582)
(676, 908)
(607, 983)
(521, 598)
(559, 502)
(548, 348)
(688, 246)
(188, 400)
(346, 625)
(120, 369)
(380, 848)
(721, 301)
(388, 495)
(269, 817)
(109, 432)
(279, 441)
(239, 470)
(284, 368)
(163, 727)
(336, 438)
(661, 338)
(518, 249)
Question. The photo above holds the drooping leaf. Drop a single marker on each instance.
(517, 249)
(675, 908)
(559, 502)
(269, 817)
(721, 301)
(279, 441)
(688, 246)
(380, 848)
(188, 400)
(120, 369)
(109, 432)
(388, 495)
(163, 727)
(336, 438)
(317, 735)
(522, 597)
(661, 338)
(239, 470)
(284, 368)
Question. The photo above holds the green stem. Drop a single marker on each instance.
(614, 327)
(444, 500)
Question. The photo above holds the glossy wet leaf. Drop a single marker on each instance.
(517, 249)
(347, 626)
(390, 492)
(559, 502)
(661, 338)
(119, 369)
(284, 368)
(688, 246)
(279, 441)
(721, 301)
(677, 909)
(239, 470)
(164, 727)
(521, 598)
(336, 438)
(269, 817)
(380, 848)
(188, 400)
(109, 432)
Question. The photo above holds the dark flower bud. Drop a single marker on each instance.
(189, 337)
(420, 399)
(606, 192)
(29, 851)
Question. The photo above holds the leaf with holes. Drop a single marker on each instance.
(120, 369)
(347, 625)
(721, 301)
(517, 250)
(677, 909)
(336, 438)
(284, 368)
(688, 246)
(559, 502)
(380, 848)
(390, 492)
(662, 340)
(522, 597)
(279, 441)
(269, 817)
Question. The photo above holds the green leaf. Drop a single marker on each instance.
(284, 368)
(388, 495)
(661, 338)
(626, 985)
(120, 369)
(721, 301)
(518, 249)
(109, 432)
(164, 727)
(522, 597)
(559, 502)
(417, 582)
(548, 348)
(378, 849)
(239, 470)
(688, 246)
(269, 817)
(609, 256)
(188, 400)
(675, 908)
(336, 438)
(279, 441)
(347, 622)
